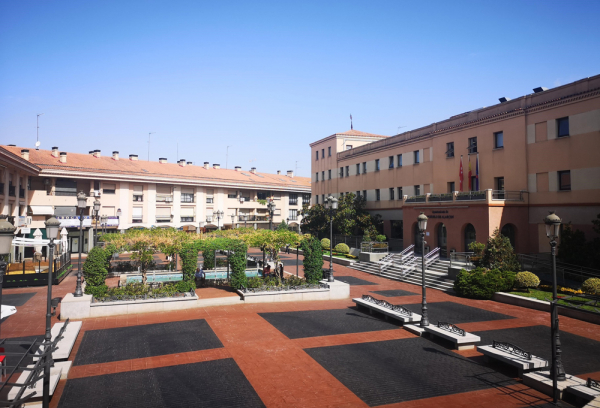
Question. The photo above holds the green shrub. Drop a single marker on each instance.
(237, 260)
(342, 248)
(526, 280)
(482, 284)
(94, 269)
(499, 254)
(96, 291)
(325, 243)
(380, 238)
(254, 282)
(477, 248)
(313, 260)
(185, 286)
(189, 261)
(591, 286)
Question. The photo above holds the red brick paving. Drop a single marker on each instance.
(278, 368)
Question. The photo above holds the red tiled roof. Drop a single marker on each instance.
(78, 162)
(353, 132)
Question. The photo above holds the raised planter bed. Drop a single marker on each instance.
(326, 291)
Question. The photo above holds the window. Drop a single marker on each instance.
(391, 193)
(209, 196)
(391, 162)
(400, 195)
(341, 195)
(348, 147)
(323, 175)
(472, 145)
(416, 154)
(329, 174)
(417, 190)
(317, 197)
(358, 194)
(562, 125)
(232, 194)
(138, 193)
(377, 195)
(564, 180)
(323, 198)
(329, 151)
(293, 215)
(341, 172)
(474, 183)
(451, 187)
(499, 183)
(377, 165)
(364, 167)
(136, 215)
(187, 197)
(498, 140)
(108, 188)
(317, 154)
(305, 199)
(364, 194)
(293, 199)
(187, 214)
(399, 160)
(322, 153)
(357, 169)
(262, 195)
(163, 214)
(316, 179)
(450, 149)
(347, 171)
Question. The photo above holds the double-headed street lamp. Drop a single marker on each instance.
(271, 208)
(7, 233)
(219, 215)
(332, 204)
(81, 205)
(245, 220)
(422, 221)
(95, 214)
(557, 371)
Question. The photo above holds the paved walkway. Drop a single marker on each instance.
(282, 371)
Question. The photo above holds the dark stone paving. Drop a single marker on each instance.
(456, 313)
(580, 355)
(17, 299)
(312, 323)
(23, 343)
(394, 292)
(352, 281)
(125, 343)
(218, 383)
(387, 372)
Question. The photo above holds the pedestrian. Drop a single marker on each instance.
(281, 270)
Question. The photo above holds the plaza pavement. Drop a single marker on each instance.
(281, 370)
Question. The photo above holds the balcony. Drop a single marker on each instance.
(138, 198)
(11, 191)
(293, 218)
(507, 195)
(210, 200)
(187, 198)
(471, 196)
(136, 220)
(293, 202)
(187, 219)
(487, 196)
(441, 197)
(164, 198)
(416, 199)
(255, 218)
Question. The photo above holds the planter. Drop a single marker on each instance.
(334, 290)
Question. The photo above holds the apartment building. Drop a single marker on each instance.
(36, 184)
(520, 159)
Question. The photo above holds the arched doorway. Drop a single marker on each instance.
(509, 231)
(470, 236)
(442, 240)
(417, 239)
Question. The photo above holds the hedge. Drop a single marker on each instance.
(313, 260)
(481, 283)
(95, 272)
(342, 248)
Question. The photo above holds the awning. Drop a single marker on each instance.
(41, 209)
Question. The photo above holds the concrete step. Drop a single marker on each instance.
(434, 279)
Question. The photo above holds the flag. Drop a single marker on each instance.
(477, 173)
(470, 175)
(460, 174)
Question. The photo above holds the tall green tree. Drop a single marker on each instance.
(313, 260)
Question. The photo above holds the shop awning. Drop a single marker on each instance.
(41, 209)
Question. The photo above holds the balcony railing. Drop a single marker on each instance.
(21, 193)
(164, 198)
(187, 198)
(293, 218)
(210, 200)
(136, 220)
(470, 196)
(441, 197)
(507, 195)
(483, 195)
(255, 218)
(11, 191)
(416, 199)
(138, 198)
(293, 202)
(187, 219)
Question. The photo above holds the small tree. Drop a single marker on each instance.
(237, 260)
(189, 259)
(142, 255)
(499, 254)
(313, 260)
(94, 272)
(283, 226)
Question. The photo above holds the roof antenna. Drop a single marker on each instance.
(400, 127)
(351, 126)
(37, 137)
(149, 133)
(227, 157)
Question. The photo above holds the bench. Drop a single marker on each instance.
(587, 391)
(461, 339)
(64, 345)
(510, 354)
(387, 309)
(38, 386)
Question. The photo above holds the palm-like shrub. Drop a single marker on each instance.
(325, 243)
(591, 286)
(342, 248)
(526, 280)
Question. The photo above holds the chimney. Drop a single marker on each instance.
(253, 170)
(91, 152)
(25, 154)
(238, 168)
(133, 157)
(189, 163)
(97, 153)
(115, 155)
(216, 166)
(182, 162)
(55, 151)
(290, 173)
(278, 172)
(162, 160)
(206, 165)
(63, 157)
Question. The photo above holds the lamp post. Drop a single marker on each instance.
(271, 208)
(232, 219)
(287, 222)
(52, 228)
(332, 204)
(245, 220)
(422, 221)
(219, 215)
(96, 212)
(557, 371)
(119, 213)
(7, 233)
(104, 223)
(81, 204)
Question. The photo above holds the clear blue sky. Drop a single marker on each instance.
(268, 78)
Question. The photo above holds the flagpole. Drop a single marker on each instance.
(460, 173)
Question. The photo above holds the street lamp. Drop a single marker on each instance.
(557, 371)
(7, 233)
(422, 221)
(232, 219)
(219, 215)
(245, 220)
(96, 212)
(81, 204)
(119, 212)
(52, 228)
(287, 221)
(332, 204)
(104, 223)
(271, 208)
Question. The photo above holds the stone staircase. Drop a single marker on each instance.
(436, 274)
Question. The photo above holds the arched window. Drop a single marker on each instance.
(509, 231)
(470, 235)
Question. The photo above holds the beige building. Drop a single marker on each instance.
(528, 155)
(35, 184)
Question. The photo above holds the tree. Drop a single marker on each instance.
(237, 260)
(95, 272)
(313, 260)
(499, 254)
(271, 241)
(283, 226)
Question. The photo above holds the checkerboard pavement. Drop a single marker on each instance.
(281, 370)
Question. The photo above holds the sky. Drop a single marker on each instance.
(268, 78)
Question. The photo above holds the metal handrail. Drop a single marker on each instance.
(465, 255)
(537, 265)
(507, 195)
